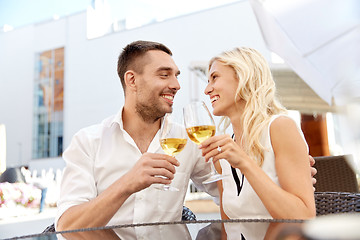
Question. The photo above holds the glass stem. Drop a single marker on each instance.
(213, 169)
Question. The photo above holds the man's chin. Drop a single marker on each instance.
(168, 109)
(165, 111)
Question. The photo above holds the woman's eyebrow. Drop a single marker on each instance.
(212, 73)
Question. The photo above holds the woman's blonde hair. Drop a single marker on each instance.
(257, 88)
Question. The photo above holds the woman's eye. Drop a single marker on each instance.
(212, 79)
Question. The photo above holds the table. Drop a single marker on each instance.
(333, 226)
(252, 229)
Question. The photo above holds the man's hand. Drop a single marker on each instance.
(313, 170)
(151, 168)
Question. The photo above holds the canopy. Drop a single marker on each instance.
(319, 40)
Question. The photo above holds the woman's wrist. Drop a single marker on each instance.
(245, 164)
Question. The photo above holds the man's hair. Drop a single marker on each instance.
(131, 55)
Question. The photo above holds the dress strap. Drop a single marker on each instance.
(236, 177)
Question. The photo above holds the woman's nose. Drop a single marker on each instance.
(208, 89)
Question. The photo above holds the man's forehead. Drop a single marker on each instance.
(161, 60)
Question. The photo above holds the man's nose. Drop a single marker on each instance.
(175, 85)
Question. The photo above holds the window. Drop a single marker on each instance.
(48, 104)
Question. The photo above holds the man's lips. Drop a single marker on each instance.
(168, 97)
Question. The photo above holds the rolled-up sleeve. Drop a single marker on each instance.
(78, 184)
(200, 173)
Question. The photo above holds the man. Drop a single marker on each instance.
(112, 168)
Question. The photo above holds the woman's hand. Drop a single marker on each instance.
(223, 147)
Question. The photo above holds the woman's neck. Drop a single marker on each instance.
(237, 126)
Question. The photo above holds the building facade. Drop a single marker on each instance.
(54, 80)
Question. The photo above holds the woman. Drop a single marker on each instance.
(267, 157)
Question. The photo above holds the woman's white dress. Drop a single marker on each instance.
(240, 200)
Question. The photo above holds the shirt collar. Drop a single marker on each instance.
(118, 119)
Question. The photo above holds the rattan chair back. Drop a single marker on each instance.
(336, 202)
(335, 175)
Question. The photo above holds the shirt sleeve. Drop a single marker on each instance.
(200, 173)
(78, 184)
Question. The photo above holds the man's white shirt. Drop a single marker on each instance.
(100, 154)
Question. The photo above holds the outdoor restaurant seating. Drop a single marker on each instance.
(337, 190)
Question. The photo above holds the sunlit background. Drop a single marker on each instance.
(17, 13)
(58, 74)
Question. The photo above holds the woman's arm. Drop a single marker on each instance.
(294, 199)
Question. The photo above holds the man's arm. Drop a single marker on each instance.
(313, 170)
(99, 210)
(107, 234)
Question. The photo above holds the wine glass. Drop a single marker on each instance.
(200, 126)
(172, 139)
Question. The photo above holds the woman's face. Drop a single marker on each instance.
(221, 88)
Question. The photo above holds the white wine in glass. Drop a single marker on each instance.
(200, 126)
(172, 146)
(172, 140)
(198, 134)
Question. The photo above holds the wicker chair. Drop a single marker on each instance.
(336, 202)
(335, 175)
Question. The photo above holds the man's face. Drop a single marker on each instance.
(156, 86)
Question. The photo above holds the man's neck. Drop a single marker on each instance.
(141, 132)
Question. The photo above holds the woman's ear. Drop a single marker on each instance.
(130, 82)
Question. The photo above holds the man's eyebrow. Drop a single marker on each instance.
(167, 69)
(164, 69)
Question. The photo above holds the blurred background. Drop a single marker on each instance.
(58, 74)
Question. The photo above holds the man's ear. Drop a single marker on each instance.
(130, 82)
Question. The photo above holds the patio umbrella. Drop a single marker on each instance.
(319, 40)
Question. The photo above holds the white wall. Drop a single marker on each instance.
(16, 91)
(92, 89)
